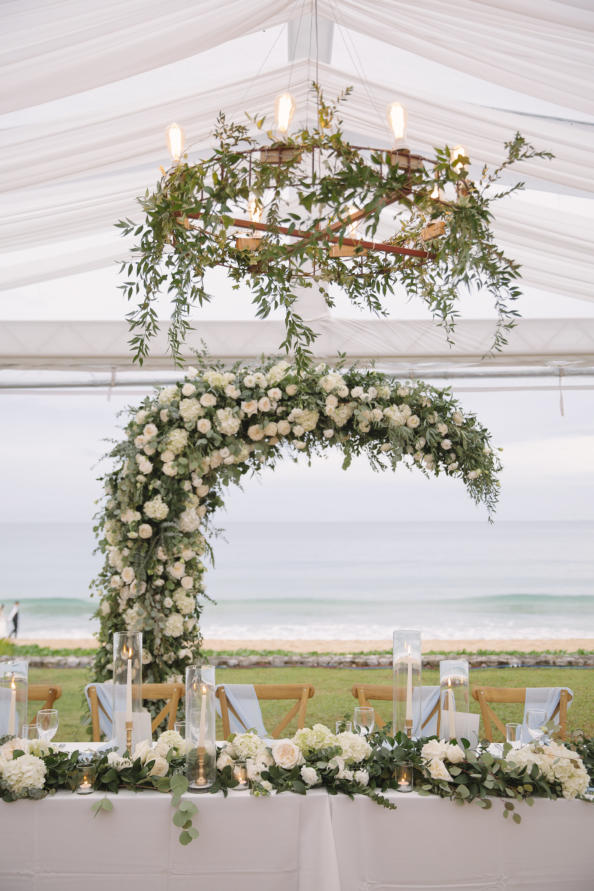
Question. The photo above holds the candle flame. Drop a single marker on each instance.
(204, 689)
(126, 651)
(12, 683)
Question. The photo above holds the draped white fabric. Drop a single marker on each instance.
(540, 47)
(69, 169)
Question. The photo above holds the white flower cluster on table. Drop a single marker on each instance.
(436, 752)
(189, 441)
(556, 763)
(23, 776)
(169, 743)
(308, 750)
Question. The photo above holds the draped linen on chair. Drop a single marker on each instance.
(545, 698)
(244, 709)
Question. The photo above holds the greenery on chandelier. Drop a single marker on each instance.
(186, 443)
(301, 195)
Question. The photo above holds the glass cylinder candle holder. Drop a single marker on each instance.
(14, 677)
(201, 758)
(86, 773)
(404, 777)
(406, 674)
(454, 694)
(241, 775)
(127, 689)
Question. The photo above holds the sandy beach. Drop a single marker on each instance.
(524, 645)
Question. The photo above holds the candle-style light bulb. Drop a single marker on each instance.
(175, 142)
(352, 230)
(284, 109)
(457, 153)
(397, 117)
(254, 209)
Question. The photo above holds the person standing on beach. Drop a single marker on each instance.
(14, 617)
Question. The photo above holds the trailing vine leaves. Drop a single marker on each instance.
(189, 228)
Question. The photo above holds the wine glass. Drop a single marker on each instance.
(29, 731)
(364, 719)
(47, 723)
(536, 719)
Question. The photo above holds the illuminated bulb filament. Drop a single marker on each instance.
(397, 120)
(284, 109)
(255, 209)
(175, 141)
(458, 152)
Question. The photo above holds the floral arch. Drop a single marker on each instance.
(189, 441)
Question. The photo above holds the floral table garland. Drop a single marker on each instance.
(187, 442)
(346, 763)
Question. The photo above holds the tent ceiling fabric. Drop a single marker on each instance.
(47, 55)
(103, 345)
(66, 174)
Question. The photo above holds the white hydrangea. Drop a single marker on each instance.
(443, 750)
(227, 421)
(332, 381)
(310, 739)
(156, 509)
(23, 774)
(394, 416)
(177, 440)
(130, 516)
(277, 372)
(342, 413)
(184, 602)
(309, 775)
(190, 410)
(174, 626)
(307, 419)
(557, 763)
(362, 777)
(168, 740)
(355, 747)
(189, 520)
(167, 395)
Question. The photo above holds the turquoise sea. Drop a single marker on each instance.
(343, 580)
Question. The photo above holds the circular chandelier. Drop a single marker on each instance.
(285, 209)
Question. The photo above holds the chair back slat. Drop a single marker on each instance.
(45, 693)
(268, 692)
(367, 693)
(506, 695)
(171, 693)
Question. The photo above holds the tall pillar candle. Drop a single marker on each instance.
(12, 709)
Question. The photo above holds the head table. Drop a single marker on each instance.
(289, 842)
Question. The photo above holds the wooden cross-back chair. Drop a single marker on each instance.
(299, 692)
(366, 693)
(486, 695)
(45, 693)
(171, 693)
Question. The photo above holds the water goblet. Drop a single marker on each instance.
(364, 719)
(29, 731)
(513, 734)
(47, 723)
(342, 726)
(536, 719)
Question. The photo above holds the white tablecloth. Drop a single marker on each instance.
(293, 843)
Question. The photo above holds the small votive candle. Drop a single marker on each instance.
(240, 774)
(85, 786)
(404, 777)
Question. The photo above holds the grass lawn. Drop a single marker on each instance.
(333, 698)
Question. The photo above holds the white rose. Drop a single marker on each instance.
(283, 428)
(250, 407)
(264, 404)
(438, 770)
(275, 394)
(270, 429)
(190, 410)
(187, 582)
(329, 433)
(145, 530)
(169, 469)
(167, 395)
(446, 444)
(105, 607)
(160, 768)
(362, 777)
(413, 422)
(188, 389)
(255, 432)
(141, 416)
(224, 760)
(116, 581)
(357, 392)
(249, 381)
(442, 428)
(203, 425)
(291, 390)
(128, 574)
(177, 570)
(286, 754)
(474, 474)
(208, 400)
(298, 430)
(458, 418)
(164, 415)
(167, 456)
(299, 444)
(310, 776)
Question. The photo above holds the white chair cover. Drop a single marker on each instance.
(245, 702)
(429, 698)
(545, 698)
(105, 697)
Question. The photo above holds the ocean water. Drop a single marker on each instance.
(341, 581)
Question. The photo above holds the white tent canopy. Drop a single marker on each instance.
(88, 89)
